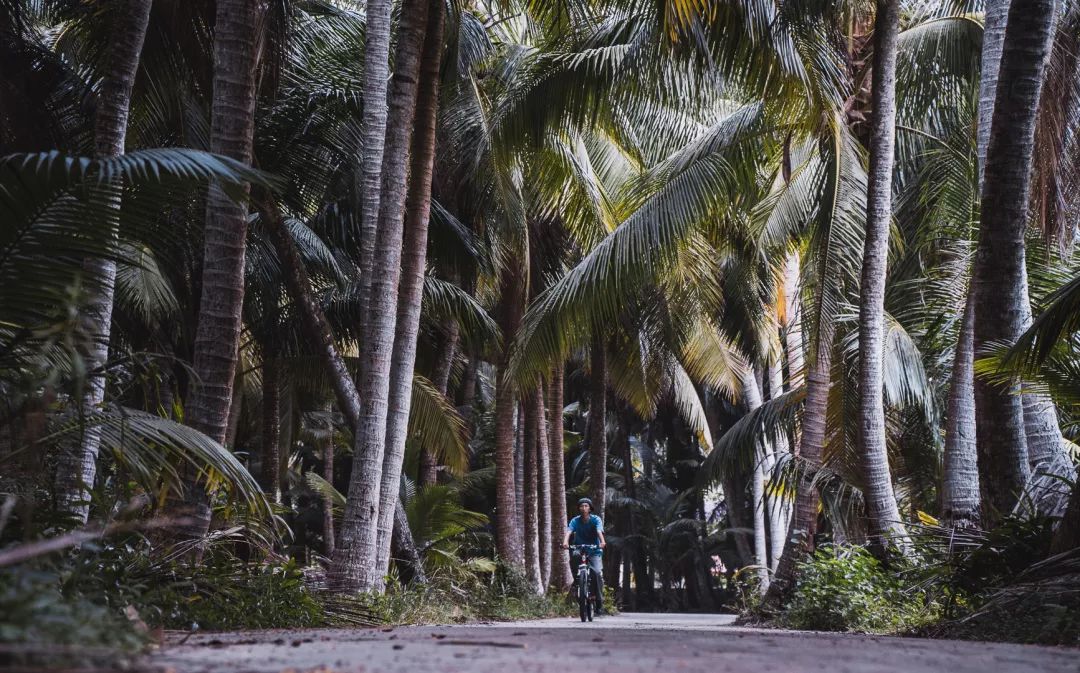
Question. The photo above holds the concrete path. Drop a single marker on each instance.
(628, 643)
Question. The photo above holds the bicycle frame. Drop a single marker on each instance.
(586, 599)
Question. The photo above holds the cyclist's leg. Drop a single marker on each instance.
(596, 563)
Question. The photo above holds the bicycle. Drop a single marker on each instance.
(586, 599)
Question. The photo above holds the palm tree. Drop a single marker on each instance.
(77, 470)
(882, 512)
(355, 564)
(560, 565)
(414, 251)
(543, 488)
(999, 277)
(217, 336)
(598, 425)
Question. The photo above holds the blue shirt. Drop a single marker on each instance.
(586, 531)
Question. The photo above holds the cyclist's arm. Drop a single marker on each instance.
(603, 540)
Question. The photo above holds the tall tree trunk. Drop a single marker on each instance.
(543, 486)
(1051, 467)
(800, 540)
(406, 555)
(236, 409)
(508, 537)
(429, 466)
(752, 399)
(78, 469)
(317, 331)
(960, 472)
(995, 18)
(271, 427)
(999, 279)
(519, 474)
(960, 499)
(560, 563)
(886, 526)
(598, 425)
(356, 560)
(778, 501)
(327, 450)
(792, 323)
(532, 494)
(414, 262)
(373, 129)
(313, 321)
(217, 336)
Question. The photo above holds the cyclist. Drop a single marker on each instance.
(587, 528)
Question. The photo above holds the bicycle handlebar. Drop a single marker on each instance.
(584, 546)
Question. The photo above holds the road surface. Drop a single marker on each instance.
(627, 643)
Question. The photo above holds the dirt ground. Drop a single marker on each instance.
(627, 643)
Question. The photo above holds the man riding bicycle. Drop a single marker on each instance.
(588, 529)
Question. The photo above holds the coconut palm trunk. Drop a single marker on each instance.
(317, 330)
(800, 539)
(598, 425)
(237, 43)
(885, 524)
(356, 564)
(508, 535)
(752, 399)
(960, 469)
(531, 495)
(271, 427)
(960, 499)
(373, 129)
(543, 486)
(77, 469)
(560, 563)
(999, 279)
(326, 451)
(779, 504)
(413, 264)
(794, 343)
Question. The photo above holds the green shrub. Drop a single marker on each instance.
(846, 589)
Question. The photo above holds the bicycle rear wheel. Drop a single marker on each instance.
(584, 605)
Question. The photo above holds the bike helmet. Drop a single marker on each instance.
(585, 501)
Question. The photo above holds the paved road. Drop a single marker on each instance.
(628, 643)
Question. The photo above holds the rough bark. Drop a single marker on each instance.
(373, 130)
(77, 470)
(598, 425)
(356, 560)
(960, 499)
(508, 537)
(994, 20)
(543, 487)
(326, 445)
(406, 555)
(752, 400)
(271, 428)
(794, 345)
(417, 209)
(800, 540)
(560, 563)
(217, 335)
(885, 524)
(313, 321)
(999, 278)
(530, 503)
(960, 471)
(778, 501)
